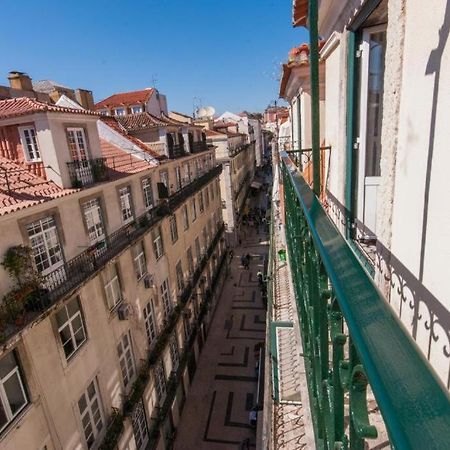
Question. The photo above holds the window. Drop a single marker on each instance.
(205, 237)
(77, 144)
(174, 352)
(187, 173)
(173, 228)
(126, 359)
(91, 413)
(207, 197)
(164, 178)
(150, 321)
(112, 286)
(180, 278)
(147, 192)
(158, 246)
(198, 249)
(185, 214)
(44, 242)
(125, 204)
(194, 210)
(160, 381)
(371, 92)
(139, 423)
(211, 188)
(119, 111)
(200, 201)
(190, 261)
(12, 391)
(165, 296)
(136, 109)
(178, 178)
(140, 264)
(94, 222)
(29, 144)
(71, 327)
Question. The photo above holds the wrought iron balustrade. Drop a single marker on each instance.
(26, 305)
(240, 148)
(177, 151)
(87, 172)
(198, 147)
(184, 193)
(352, 338)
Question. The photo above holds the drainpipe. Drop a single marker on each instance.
(314, 75)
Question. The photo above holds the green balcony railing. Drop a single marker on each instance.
(352, 338)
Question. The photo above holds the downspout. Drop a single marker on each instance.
(314, 75)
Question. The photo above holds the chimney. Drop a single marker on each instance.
(20, 80)
(85, 98)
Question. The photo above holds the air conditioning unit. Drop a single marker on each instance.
(124, 311)
(149, 281)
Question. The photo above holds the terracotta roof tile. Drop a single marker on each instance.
(125, 98)
(117, 126)
(21, 189)
(120, 163)
(23, 105)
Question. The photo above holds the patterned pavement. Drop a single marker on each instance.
(216, 413)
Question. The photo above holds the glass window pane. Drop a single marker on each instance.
(14, 393)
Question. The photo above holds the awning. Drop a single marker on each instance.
(256, 185)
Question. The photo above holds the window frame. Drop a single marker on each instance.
(115, 111)
(34, 143)
(194, 209)
(151, 325)
(107, 284)
(185, 214)
(133, 107)
(69, 323)
(147, 191)
(94, 236)
(122, 192)
(166, 297)
(127, 361)
(77, 153)
(173, 228)
(4, 401)
(139, 260)
(42, 240)
(89, 403)
(157, 242)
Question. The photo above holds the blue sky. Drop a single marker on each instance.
(228, 54)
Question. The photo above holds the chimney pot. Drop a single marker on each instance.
(20, 80)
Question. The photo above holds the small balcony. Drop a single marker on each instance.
(86, 172)
(198, 147)
(177, 151)
(365, 375)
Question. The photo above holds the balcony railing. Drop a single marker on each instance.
(352, 338)
(199, 146)
(87, 172)
(28, 304)
(240, 148)
(177, 151)
(180, 196)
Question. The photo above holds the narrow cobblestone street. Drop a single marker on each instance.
(216, 414)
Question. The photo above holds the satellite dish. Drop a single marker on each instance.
(201, 112)
(210, 111)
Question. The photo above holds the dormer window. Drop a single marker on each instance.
(136, 109)
(29, 144)
(119, 111)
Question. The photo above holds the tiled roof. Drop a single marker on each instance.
(224, 124)
(144, 120)
(25, 188)
(117, 126)
(126, 98)
(120, 163)
(212, 133)
(23, 105)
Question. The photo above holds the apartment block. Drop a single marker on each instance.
(113, 254)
